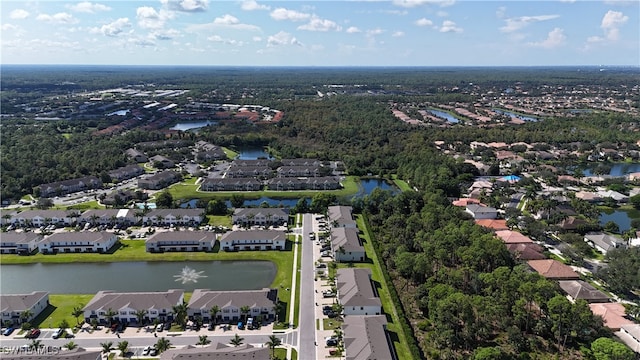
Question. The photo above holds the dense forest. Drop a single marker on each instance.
(458, 287)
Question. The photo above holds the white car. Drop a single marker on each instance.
(146, 350)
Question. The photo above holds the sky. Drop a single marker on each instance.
(321, 33)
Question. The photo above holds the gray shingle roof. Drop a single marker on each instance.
(346, 238)
(365, 338)
(199, 236)
(107, 299)
(204, 299)
(355, 288)
(218, 351)
(273, 235)
(20, 302)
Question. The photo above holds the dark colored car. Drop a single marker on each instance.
(33, 333)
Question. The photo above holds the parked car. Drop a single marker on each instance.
(331, 341)
(321, 266)
(159, 327)
(153, 352)
(250, 323)
(146, 351)
(57, 333)
(240, 326)
(328, 294)
(33, 333)
(8, 331)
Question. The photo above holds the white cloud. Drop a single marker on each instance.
(450, 26)
(292, 15)
(165, 34)
(230, 21)
(515, 24)
(414, 3)
(501, 12)
(282, 38)
(220, 39)
(353, 30)
(7, 27)
(374, 32)
(256, 38)
(59, 18)
(250, 5)
(19, 14)
(186, 5)
(611, 22)
(114, 28)
(149, 18)
(424, 22)
(398, 34)
(554, 39)
(139, 41)
(318, 24)
(88, 7)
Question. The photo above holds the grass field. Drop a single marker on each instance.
(60, 308)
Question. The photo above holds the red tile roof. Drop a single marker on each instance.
(494, 224)
(612, 313)
(553, 269)
(513, 237)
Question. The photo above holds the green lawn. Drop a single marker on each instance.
(401, 184)
(187, 190)
(60, 308)
(281, 354)
(331, 324)
(220, 220)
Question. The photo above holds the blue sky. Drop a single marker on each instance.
(321, 33)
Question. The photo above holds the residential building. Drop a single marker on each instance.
(126, 172)
(341, 216)
(310, 183)
(630, 335)
(162, 162)
(513, 237)
(181, 241)
(493, 224)
(108, 216)
(159, 181)
(183, 217)
(262, 172)
(613, 314)
(478, 211)
(526, 251)
(582, 290)
(301, 162)
(347, 245)
(261, 304)
(231, 184)
(14, 305)
(118, 197)
(553, 269)
(37, 218)
(356, 292)
(253, 240)
(78, 242)
(298, 171)
(136, 155)
(158, 305)
(365, 338)
(260, 216)
(218, 351)
(252, 163)
(69, 186)
(604, 242)
(23, 243)
(618, 197)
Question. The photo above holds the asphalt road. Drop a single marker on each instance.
(307, 326)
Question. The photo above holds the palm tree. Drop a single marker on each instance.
(236, 340)
(70, 345)
(93, 219)
(140, 314)
(245, 312)
(180, 312)
(215, 309)
(77, 312)
(26, 315)
(203, 340)
(273, 342)
(109, 315)
(277, 308)
(106, 347)
(163, 345)
(123, 346)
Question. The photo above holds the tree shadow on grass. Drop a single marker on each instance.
(40, 319)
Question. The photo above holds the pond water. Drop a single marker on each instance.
(192, 125)
(620, 217)
(509, 113)
(119, 112)
(252, 153)
(89, 278)
(445, 115)
(366, 186)
(617, 169)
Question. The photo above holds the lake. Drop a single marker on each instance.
(512, 114)
(192, 125)
(89, 278)
(253, 153)
(445, 115)
(617, 169)
(620, 217)
(366, 186)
